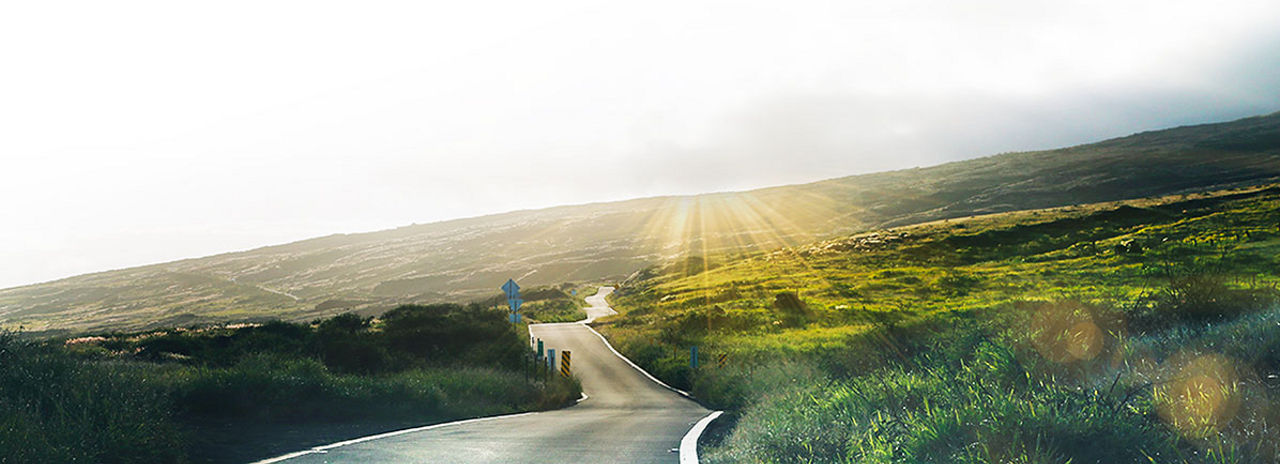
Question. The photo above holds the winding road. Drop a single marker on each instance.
(627, 417)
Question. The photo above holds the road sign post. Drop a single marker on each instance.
(551, 359)
(565, 364)
(539, 348)
(513, 300)
(693, 357)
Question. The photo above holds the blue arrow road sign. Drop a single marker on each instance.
(513, 299)
(513, 290)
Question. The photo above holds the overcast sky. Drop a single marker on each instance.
(140, 132)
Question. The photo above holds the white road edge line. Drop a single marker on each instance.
(689, 444)
(326, 448)
(633, 365)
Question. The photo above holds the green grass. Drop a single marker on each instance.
(982, 412)
(964, 265)
(1141, 331)
(547, 303)
(56, 409)
(559, 310)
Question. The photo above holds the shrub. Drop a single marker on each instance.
(955, 284)
(345, 345)
(793, 311)
(450, 334)
(1198, 298)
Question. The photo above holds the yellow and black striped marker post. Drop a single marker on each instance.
(565, 367)
(722, 359)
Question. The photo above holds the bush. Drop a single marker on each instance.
(793, 311)
(450, 334)
(553, 310)
(1198, 298)
(955, 284)
(346, 345)
(277, 389)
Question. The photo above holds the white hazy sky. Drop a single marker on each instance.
(139, 132)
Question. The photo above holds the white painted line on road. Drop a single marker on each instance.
(620, 356)
(689, 444)
(628, 361)
(326, 448)
(688, 452)
(587, 321)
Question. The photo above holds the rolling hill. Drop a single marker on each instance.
(1123, 325)
(466, 259)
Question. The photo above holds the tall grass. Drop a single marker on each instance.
(983, 410)
(54, 408)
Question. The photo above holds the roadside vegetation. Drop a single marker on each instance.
(1139, 331)
(243, 392)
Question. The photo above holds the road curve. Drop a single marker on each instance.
(627, 418)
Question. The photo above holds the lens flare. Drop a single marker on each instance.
(1084, 341)
(1067, 333)
(1202, 395)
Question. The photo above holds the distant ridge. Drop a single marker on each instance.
(466, 259)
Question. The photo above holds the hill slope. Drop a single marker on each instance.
(468, 258)
(1145, 329)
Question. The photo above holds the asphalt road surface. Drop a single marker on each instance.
(626, 418)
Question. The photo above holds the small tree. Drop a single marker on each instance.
(793, 311)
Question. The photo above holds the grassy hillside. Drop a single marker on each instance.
(1136, 331)
(468, 258)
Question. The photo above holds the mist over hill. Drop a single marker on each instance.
(467, 259)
